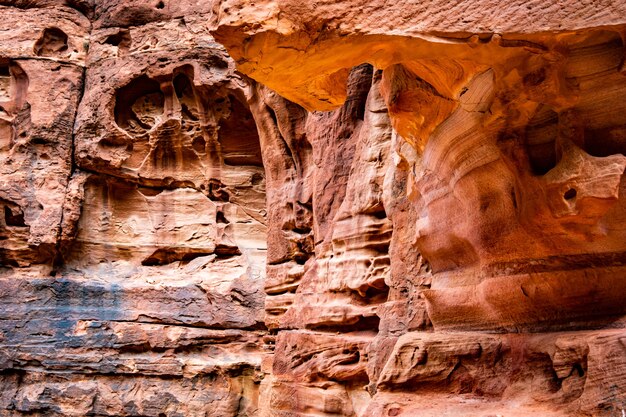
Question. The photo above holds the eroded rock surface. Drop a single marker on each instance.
(134, 220)
(369, 210)
(479, 236)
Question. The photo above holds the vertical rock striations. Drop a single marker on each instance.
(475, 263)
(369, 210)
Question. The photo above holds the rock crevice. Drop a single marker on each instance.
(296, 208)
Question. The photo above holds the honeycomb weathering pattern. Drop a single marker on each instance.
(312, 208)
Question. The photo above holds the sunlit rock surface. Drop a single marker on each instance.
(369, 210)
(471, 261)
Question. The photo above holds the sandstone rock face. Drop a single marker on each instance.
(369, 210)
(134, 219)
(469, 255)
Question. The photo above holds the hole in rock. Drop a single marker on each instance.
(217, 191)
(183, 86)
(199, 144)
(359, 84)
(166, 256)
(380, 214)
(594, 67)
(354, 356)
(38, 141)
(541, 135)
(427, 269)
(149, 192)
(52, 42)
(394, 411)
(535, 78)
(256, 178)
(13, 218)
(225, 251)
(356, 324)
(238, 136)
(186, 95)
(160, 5)
(120, 39)
(606, 141)
(5, 84)
(13, 86)
(139, 105)
(579, 370)
(301, 230)
(376, 295)
(220, 218)
(301, 258)
(570, 194)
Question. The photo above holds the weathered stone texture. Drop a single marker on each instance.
(369, 210)
(474, 262)
(134, 225)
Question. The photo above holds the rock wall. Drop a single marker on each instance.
(369, 210)
(133, 232)
(469, 255)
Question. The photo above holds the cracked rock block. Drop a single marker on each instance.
(343, 285)
(127, 332)
(345, 282)
(70, 396)
(38, 100)
(558, 371)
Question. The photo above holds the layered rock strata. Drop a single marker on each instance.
(134, 225)
(368, 210)
(475, 262)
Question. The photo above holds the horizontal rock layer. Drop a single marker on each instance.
(369, 210)
(477, 238)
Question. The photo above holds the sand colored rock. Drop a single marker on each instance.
(294, 208)
(134, 226)
(499, 186)
(36, 118)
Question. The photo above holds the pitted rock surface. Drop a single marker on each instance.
(289, 208)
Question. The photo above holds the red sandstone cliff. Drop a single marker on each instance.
(371, 209)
